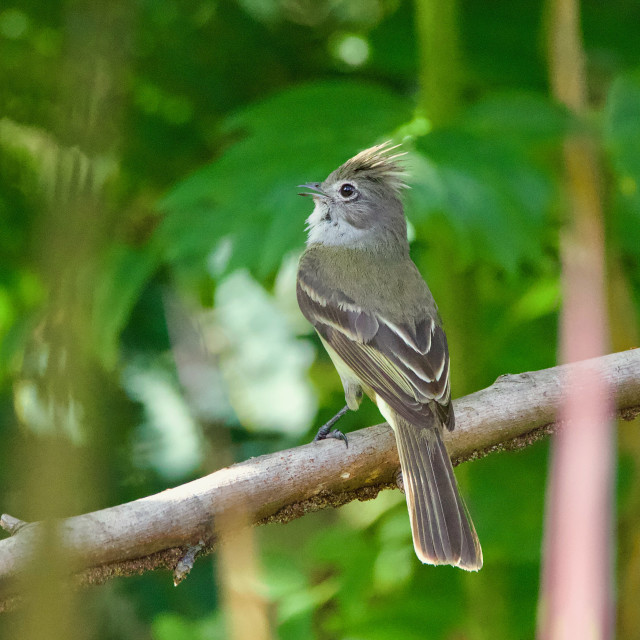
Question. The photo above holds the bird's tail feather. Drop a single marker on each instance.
(442, 529)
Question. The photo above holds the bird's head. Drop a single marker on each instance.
(358, 204)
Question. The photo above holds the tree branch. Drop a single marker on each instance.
(157, 531)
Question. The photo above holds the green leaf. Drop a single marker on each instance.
(249, 192)
(510, 528)
(622, 139)
(125, 271)
(493, 195)
(621, 123)
(526, 117)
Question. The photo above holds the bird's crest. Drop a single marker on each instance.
(376, 163)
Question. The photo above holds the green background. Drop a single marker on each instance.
(149, 157)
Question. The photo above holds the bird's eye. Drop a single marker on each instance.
(347, 190)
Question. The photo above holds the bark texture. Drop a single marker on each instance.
(159, 530)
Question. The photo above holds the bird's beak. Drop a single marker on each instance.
(314, 187)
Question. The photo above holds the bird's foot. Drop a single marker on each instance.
(325, 431)
(336, 433)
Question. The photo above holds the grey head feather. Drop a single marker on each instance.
(377, 163)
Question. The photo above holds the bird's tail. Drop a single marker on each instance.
(442, 529)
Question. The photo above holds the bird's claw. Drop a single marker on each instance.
(336, 433)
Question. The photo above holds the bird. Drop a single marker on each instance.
(379, 323)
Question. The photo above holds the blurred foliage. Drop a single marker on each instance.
(149, 157)
(253, 179)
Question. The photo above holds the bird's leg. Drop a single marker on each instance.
(325, 432)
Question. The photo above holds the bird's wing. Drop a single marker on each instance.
(406, 365)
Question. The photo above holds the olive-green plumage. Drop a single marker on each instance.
(379, 323)
(389, 284)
